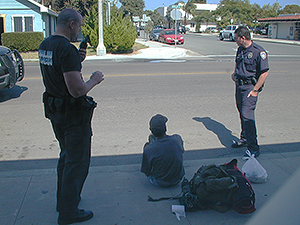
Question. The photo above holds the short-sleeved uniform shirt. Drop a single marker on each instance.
(57, 56)
(163, 159)
(251, 62)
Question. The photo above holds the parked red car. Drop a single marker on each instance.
(168, 36)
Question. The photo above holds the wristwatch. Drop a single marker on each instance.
(255, 90)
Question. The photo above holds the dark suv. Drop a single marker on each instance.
(11, 67)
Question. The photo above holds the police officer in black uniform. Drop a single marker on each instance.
(250, 73)
(70, 112)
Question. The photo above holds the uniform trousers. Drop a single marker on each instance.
(72, 128)
(246, 106)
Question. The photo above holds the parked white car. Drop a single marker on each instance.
(228, 32)
(211, 29)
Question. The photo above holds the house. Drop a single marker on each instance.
(203, 7)
(26, 15)
(187, 19)
(283, 26)
(140, 22)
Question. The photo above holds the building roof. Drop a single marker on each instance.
(208, 7)
(42, 8)
(295, 17)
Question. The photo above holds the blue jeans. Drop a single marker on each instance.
(160, 183)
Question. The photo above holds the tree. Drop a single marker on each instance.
(78, 5)
(198, 19)
(189, 8)
(156, 18)
(56, 5)
(148, 27)
(119, 36)
(72, 4)
(240, 11)
(91, 26)
(257, 11)
(203, 17)
(271, 10)
(290, 9)
(132, 7)
(169, 19)
(199, 1)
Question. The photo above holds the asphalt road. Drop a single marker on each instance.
(210, 45)
(197, 96)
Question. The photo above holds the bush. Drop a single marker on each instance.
(118, 37)
(91, 26)
(22, 41)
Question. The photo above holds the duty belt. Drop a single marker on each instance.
(243, 82)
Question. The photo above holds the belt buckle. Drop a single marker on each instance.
(239, 82)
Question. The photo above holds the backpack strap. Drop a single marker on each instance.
(150, 199)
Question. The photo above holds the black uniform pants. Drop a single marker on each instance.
(246, 106)
(73, 166)
(71, 123)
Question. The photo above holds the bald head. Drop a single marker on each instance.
(68, 15)
(69, 22)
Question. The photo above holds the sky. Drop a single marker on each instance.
(153, 4)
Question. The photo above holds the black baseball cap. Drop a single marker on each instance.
(158, 125)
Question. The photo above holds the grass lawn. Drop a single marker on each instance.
(90, 51)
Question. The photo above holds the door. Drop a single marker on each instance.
(1, 28)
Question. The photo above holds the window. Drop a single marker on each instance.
(21, 23)
(18, 24)
(28, 23)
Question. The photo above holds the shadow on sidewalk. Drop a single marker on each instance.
(115, 160)
(15, 92)
(225, 136)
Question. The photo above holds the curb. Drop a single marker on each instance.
(278, 41)
(150, 56)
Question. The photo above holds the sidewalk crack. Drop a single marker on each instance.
(22, 202)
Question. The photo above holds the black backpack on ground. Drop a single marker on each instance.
(218, 187)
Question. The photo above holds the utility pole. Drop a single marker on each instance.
(108, 12)
(101, 50)
(175, 40)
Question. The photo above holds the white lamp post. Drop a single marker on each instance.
(101, 50)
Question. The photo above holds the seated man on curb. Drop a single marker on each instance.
(162, 157)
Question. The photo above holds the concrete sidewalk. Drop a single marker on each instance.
(160, 51)
(155, 50)
(117, 191)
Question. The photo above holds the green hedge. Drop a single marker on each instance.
(22, 41)
(118, 37)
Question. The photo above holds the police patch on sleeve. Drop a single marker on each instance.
(263, 55)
